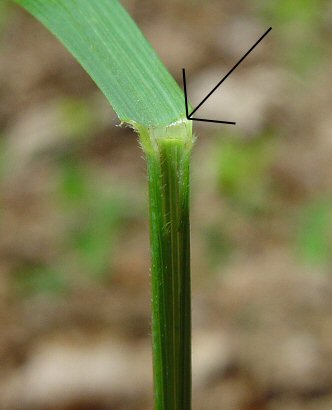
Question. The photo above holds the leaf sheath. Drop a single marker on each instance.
(168, 171)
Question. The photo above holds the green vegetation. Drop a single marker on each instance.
(300, 24)
(97, 216)
(112, 49)
(108, 44)
(168, 169)
(314, 240)
(243, 171)
(3, 14)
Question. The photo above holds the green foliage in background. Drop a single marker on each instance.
(94, 219)
(97, 217)
(3, 14)
(300, 25)
(243, 171)
(40, 279)
(219, 244)
(77, 118)
(247, 188)
(300, 12)
(314, 233)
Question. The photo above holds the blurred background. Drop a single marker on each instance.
(74, 245)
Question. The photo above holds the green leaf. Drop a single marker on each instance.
(112, 49)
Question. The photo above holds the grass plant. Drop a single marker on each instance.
(108, 44)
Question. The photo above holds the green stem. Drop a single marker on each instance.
(168, 160)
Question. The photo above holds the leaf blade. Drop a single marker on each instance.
(111, 48)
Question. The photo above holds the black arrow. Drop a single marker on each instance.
(189, 116)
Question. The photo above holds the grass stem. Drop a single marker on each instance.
(168, 160)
